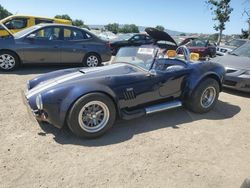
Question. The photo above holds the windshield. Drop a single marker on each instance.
(236, 43)
(141, 57)
(244, 50)
(25, 31)
(197, 43)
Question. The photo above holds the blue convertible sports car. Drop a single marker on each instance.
(140, 81)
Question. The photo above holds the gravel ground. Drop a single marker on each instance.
(169, 149)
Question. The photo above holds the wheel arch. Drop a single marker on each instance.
(193, 85)
(12, 51)
(89, 53)
(213, 76)
(90, 92)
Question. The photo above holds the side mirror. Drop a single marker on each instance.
(31, 36)
(132, 40)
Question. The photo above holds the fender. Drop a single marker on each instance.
(195, 81)
(67, 96)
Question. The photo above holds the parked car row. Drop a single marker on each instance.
(203, 47)
(16, 23)
(150, 73)
(60, 43)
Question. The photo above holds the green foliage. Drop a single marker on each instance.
(77, 22)
(182, 34)
(159, 27)
(127, 28)
(4, 13)
(113, 27)
(221, 10)
(64, 16)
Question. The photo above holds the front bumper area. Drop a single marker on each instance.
(237, 83)
(34, 113)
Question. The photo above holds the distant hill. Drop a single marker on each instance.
(141, 29)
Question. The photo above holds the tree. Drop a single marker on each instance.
(247, 13)
(129, 28)
(159, 27)
(4, 13)
(183, 34)
(79, 23)
(63, 16)
(76, 22)
(221, 10)
(114, 27)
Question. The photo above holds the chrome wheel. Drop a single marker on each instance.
(208, 97)
(92, 61)
(7, 61)
(94, 116)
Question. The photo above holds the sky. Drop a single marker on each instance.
(192, 16)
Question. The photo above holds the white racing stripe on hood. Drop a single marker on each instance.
(50, 83)
(89, 70)
(55, 81)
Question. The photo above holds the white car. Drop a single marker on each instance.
(229, 46)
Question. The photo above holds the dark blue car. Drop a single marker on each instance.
(52, 43)
(140, 81)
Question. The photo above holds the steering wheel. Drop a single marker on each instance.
(184, 51)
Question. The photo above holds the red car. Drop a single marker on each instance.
(203, 47)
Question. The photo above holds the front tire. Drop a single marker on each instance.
(92, 115)
(8, 61)
(92, 60)
(204, 97)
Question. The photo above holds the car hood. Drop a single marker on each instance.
(159, 35)
(231, 61)
(72, 76)
(227, 47)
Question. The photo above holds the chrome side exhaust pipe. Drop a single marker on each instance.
(163, 106)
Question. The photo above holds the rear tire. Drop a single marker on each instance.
(9, 61)
(92, 60)
(204, 97)
(92, 115)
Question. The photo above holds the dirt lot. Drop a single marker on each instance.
(169, 149)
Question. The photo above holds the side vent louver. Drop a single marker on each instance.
(129, 94)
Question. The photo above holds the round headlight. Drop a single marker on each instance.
(39, 102)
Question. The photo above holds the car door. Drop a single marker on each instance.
(75, 45)
(43, 46)
(170, 79)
